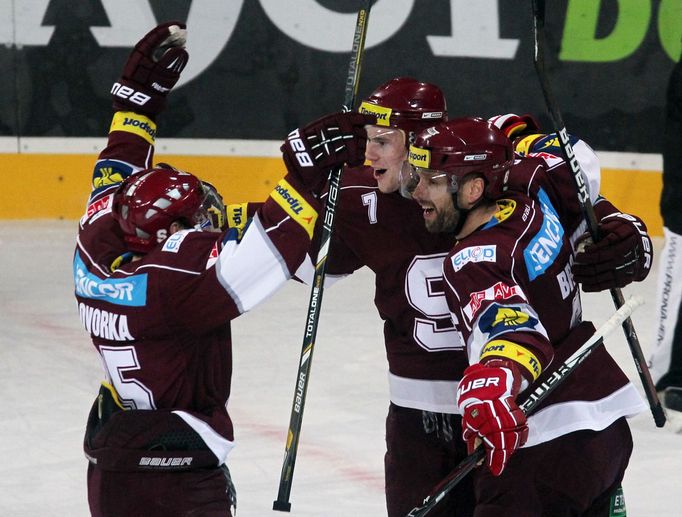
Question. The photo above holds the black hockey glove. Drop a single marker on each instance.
(309, 153)
(623, 255)
(152, 69)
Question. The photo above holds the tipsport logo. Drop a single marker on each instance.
(419, 157)
(382, 114)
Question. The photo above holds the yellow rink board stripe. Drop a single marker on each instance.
(56, 186)
(38, 186)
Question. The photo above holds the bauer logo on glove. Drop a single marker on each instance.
(623, 254)
(298, 148)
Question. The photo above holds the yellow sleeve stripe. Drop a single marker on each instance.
(134, 123)
(295, 206)
(523, 356)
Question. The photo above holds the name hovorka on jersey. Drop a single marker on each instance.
(131, 291)
(105, 324)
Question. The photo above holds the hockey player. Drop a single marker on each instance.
(378, 228)
(624, 253)
(158, 277)
(511, 294)
(666, 360)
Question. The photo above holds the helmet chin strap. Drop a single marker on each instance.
(464, 212)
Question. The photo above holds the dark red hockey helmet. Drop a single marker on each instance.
(459, 147)
(148, 202)
(407, 104)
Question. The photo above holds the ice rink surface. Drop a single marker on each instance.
(49, 375)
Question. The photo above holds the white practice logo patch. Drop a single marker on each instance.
(173, 242)
(474, 254)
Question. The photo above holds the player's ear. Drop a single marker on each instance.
(472, 189)
(176, 226)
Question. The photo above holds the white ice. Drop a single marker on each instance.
(49, 375)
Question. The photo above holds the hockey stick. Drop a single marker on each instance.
(296, 419)
(586, 205)
(530, 405)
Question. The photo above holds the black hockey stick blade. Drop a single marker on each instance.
(446, 485)
(538, 7)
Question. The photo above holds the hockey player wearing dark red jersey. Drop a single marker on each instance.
(376, 227)
(158, 277)
(512, 295)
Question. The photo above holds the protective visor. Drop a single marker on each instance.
(212, 214)
(411, 176)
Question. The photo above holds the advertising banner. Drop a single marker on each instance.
(259, 68)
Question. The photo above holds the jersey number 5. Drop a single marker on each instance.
(131, 392)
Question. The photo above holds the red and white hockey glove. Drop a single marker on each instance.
(485, 398)
(152, 69)
(514, 125)
(310, 152)
(623, 255)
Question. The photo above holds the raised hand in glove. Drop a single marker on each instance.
(622, 255)
(485, 398)
(516, 125)
(152, 69)
(310, 152)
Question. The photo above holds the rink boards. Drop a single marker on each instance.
(47, 178)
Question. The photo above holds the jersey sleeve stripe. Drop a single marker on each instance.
(253, 269)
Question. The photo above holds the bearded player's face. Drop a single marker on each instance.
(386, 153)
(434, 194)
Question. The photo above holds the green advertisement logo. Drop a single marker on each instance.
(634, 19)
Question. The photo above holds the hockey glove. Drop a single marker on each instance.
(152, 69)
(485, 399)
(623, 255)
(516, 125)
(310, 152)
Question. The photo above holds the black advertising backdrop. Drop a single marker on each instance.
(259, 80)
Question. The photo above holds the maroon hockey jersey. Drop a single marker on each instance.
(161, 323)
(510, 283)
(386, 233)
